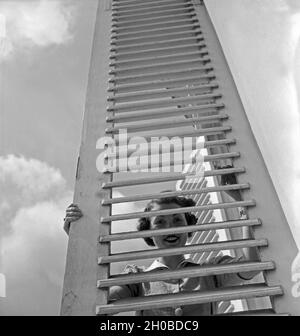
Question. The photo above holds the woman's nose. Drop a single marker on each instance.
(169, 222)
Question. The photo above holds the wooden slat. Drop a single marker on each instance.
(176, 134)
(162, 75)
(150, 16)
(189, 298)
(138, 23)
(257, 312)
(161, 114)
(154, 26)
(163, 93)
(131, 107)
(148, 61)
(159, 51)
(157, 44)
(132, 4)
(140, 83)
(153, 162)
(169, 177)
(152, 126)
(145, 8)
(156, 37)
(205, 190)
(134, 215)
(189, 272)
(155, 253)
(121, 152)
(184, 26)
(145, 69)
(200, 116)
(120, 68)
(177, 230)
(133, 12)
(117, 17)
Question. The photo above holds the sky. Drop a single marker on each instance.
(44, 63)
(44, 59)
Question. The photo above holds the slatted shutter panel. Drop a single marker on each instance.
(162, 67)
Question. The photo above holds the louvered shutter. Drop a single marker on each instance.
(157, 69)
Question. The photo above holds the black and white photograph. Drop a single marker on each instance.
(149, 161)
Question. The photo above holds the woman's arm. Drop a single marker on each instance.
(250, 254)
(73, 213)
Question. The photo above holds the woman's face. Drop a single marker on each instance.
(168, 221)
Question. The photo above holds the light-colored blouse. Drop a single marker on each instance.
(178, 285)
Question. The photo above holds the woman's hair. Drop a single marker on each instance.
(145, 224)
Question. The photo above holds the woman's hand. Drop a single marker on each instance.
(73, 213)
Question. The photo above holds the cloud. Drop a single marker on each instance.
(33, 244)
(30, 24)
(25, 182)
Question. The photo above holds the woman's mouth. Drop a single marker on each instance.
(172, 239)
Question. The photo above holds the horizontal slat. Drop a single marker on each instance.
(163, 93)
(151, 15)
(197, 248)
(162, 75)
(148, 61)
(200, 111)
(172, 124)
(258, 312)
(157, 44)
(117, 13)
(148, 33)
(134, 215)
(147, 162)
(146, 69)
(190, 79)
(148, 137)
(144, 197)
(167, 177)
(190, 32)
(188, 298)
(138, 23)
(131, 107)
(177, 230)
(151, 26)
(158, 51)
(123, 152)
(189, 272)
(131, 4)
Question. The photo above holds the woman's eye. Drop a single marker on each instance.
(159, 222)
